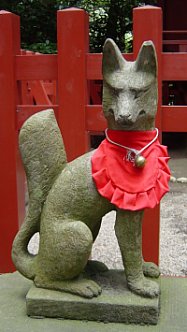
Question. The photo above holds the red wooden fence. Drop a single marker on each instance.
(68, 73)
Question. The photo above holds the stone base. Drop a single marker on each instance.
(115, 304)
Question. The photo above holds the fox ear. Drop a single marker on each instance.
(112, 58)
(147, 59)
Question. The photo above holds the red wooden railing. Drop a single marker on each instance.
(71, 70)
(176, 39)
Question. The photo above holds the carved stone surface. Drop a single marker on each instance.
(115, 304)
(64, 203)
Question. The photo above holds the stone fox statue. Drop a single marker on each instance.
(68, 200)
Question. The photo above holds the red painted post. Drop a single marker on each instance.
(10, 211)
(73, 43)
(147, 25)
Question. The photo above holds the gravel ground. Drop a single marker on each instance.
(173, 244)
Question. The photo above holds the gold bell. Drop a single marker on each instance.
(140, 161)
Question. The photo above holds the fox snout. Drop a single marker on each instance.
(128, 118)
(124, 119)
(125, 108)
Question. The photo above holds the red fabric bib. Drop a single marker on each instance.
(120, 181)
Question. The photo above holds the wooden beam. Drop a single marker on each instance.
(11, 176)
(25, 111)
(36, 67)
(95, 120)
(174, 118)
(73, 44)
(174, 66)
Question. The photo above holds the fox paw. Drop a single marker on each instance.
(78, 286)
(144, 287)
(151, 270)
(86, 288)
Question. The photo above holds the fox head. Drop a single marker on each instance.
(129, 88)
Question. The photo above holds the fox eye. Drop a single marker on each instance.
(116, 92)
(138, 92)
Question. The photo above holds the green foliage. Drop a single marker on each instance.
(38, 22)
(108, 18)
(47, 47)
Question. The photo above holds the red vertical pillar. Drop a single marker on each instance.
(73, 41)
(9, 191)
(147, 25)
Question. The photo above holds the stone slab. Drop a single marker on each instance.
(115, 304)
(13, 316)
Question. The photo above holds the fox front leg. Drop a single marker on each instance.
(128, 230)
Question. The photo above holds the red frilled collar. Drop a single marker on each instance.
(122, 183)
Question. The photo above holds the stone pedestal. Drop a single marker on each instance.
(115, 304)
